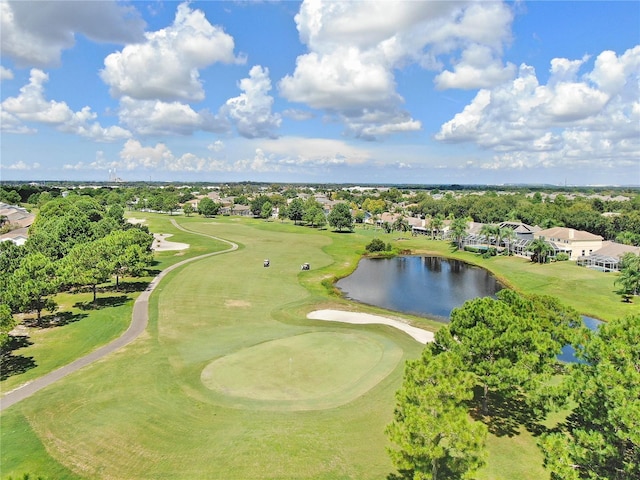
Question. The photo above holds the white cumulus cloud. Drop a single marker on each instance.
(154, 117)
(31, 106)
(251, 110)
(5, 73)
(589, 119)
(166, 65)
(34, 34)
(355, 48)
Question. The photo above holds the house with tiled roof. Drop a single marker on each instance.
(18, 220)
(575, 243)
(608, 257)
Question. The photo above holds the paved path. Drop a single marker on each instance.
(139, 320)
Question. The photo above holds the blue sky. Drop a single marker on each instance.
(349, 92)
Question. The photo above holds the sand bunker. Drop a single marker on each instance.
(160, 243)
(422, 336)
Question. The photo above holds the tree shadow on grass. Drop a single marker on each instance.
(127, 287)
(507, 414)
(11, 364)
(102, 302)
(54, 320)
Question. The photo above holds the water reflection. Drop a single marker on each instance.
(568, 352)
(425, 286)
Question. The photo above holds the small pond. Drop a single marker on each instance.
(424, 286)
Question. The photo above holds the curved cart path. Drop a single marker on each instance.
(139, 320)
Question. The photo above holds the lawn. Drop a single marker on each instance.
(194, 396)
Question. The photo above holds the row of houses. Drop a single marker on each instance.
(585, 248)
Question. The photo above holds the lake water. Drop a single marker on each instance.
(568, 352)
(424, 286)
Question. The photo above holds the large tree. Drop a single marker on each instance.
(257, 203)
(601, 438)
(296, 210)
(129, 250)
(7, 322)
(88, 264)
(31, 285)
(490, 233)
(432, 434)
(509, 344)
(208, 207)
(459, 227)
(340, 217)
(267, 210)
(435, 225)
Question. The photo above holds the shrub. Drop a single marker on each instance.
(376, 245)
(562, 257)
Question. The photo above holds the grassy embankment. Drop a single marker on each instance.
(150, 411)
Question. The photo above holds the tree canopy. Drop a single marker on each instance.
(340, 217)
(432, 433)
(510, 343)
(601, 438)
(208, 207)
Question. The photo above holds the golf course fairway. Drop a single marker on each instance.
(231, 380)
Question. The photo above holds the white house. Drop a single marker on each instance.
(575, 243)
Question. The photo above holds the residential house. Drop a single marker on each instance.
(575, 243)
(19, 221)
(607, 258)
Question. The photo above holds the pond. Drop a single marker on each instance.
(424, 286)
(568, 352)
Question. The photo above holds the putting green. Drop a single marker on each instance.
(304, 372)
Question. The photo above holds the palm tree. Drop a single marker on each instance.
(401, 224)
(436, 223)
(508, 235)
(489, 232)
(459, 228)
(540, 250)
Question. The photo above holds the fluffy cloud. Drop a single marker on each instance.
(21, 166)
(5, 73)
(286, 154)
(35, 34)
(314, 152)
(165, 66)
(593, 119)
(251, 111)
(478, 68)
(31, 106)
(354, 48)
(154, 117)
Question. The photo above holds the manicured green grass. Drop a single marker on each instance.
(185, 399)
(145, 412)
(53, 346)
(80, 327)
